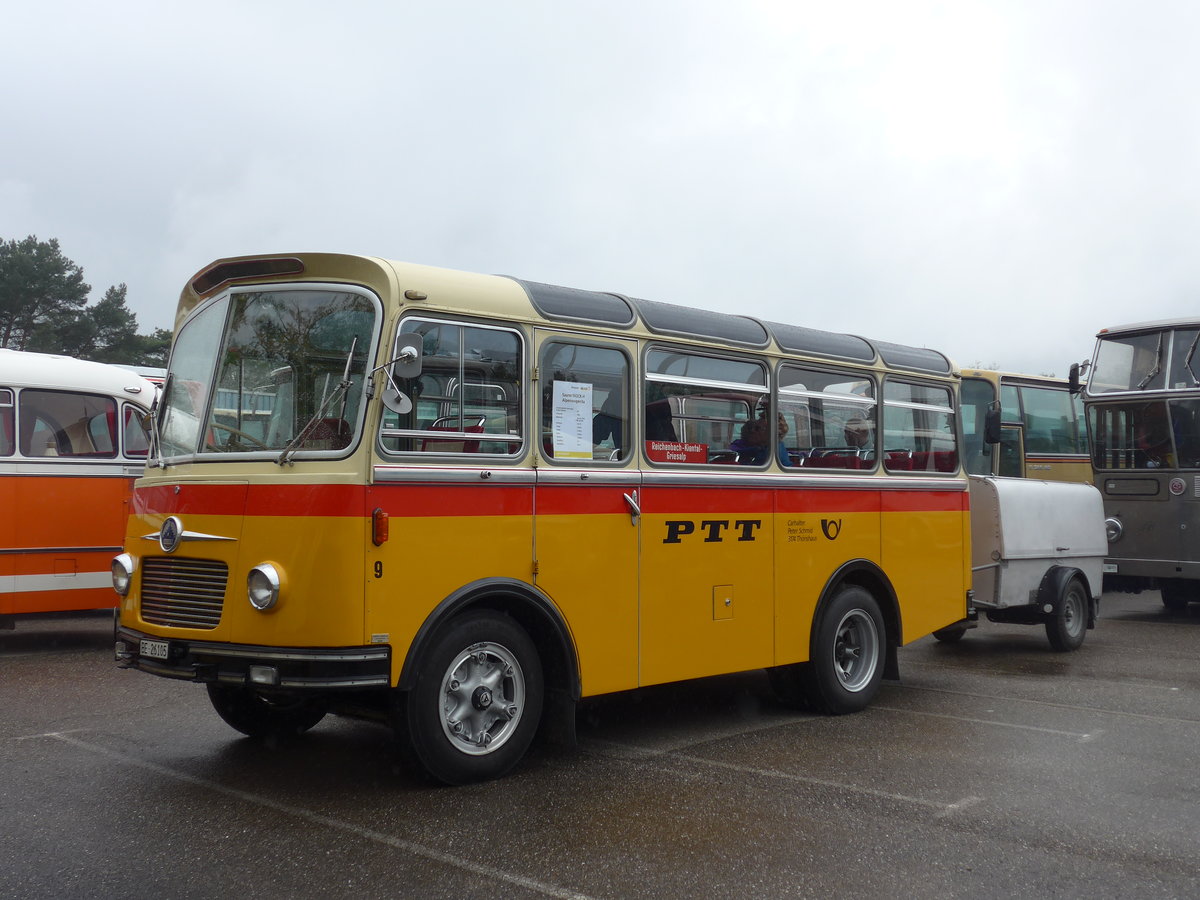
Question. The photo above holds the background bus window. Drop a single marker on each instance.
(8, 442)
(697, 407)
(65, 423)
(978, 395)
(830, 418)
(918, 428)
(598, 376)
(467, 397)
(1050, 419)
(1134, 435)
(136, 438)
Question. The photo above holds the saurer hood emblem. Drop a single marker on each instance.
(169, 534)
(172, 534)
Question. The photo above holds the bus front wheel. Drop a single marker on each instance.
(477, 701)
(258, 715)
(848, 646)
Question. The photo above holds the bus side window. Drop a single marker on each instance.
(7, 423)
(594, 424)
(830, 418)
(467, 396)
(66, 423)
(918, 428)
(697, 406)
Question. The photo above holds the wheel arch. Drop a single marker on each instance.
(540, 618)
(1054, 584)
(867, 575)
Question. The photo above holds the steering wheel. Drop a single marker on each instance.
(238, 433)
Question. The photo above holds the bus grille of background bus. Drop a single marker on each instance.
(183, 593)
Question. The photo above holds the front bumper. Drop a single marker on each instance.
(297, 668)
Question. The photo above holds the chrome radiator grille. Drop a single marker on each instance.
(183, 593)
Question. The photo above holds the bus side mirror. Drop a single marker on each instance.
(406, 364)
(1073, 378)
(991, 426)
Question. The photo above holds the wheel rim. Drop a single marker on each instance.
(483, 698)
(1073, 621)
(855, 650)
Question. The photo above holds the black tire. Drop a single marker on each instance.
(849, 644)
(952, 634)
(1177, 594)
(1068, 624)
(477, 700)
(259, 715)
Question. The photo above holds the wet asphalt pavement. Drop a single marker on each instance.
(995, 768)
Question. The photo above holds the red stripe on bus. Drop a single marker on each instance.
(251, 500)
(415, 500)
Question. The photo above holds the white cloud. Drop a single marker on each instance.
(997, 180)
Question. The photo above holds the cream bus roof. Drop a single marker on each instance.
(46, 370)
(533, 301)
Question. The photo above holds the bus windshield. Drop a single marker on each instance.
(1161, 360)
(256, 370)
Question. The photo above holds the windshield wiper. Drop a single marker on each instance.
(343, 387)
(1157, 364)
(1187, 361)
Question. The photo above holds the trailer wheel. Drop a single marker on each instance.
(848, 645)
(259, 715)
(477, 700)
(1067, 625)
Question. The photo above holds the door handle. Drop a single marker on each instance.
(634, 509)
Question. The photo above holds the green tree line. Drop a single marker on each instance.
(44, 308)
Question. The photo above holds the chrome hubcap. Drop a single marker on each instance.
(483, 697)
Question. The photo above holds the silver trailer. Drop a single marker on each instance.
(1037, 557)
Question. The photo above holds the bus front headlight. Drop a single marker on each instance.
(262, 586)
(1113, 529)
(123, 567)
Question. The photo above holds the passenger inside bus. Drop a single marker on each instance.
(858, 434)
(753, 447)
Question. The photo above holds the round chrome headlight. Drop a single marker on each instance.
(122, 573)
(1113, 529)
(262, 586)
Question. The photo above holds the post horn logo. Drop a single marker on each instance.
(169, 534)
(831, 528)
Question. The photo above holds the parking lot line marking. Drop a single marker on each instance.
(1121, 713)
(378, 837)
(1077, 735)
(942, 809)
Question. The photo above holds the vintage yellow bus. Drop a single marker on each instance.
(72, 442)
(459, 503)
(1041, 429)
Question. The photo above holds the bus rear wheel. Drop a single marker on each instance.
(1178, 593)
(259, 715)
(478, 699)
(848, 645)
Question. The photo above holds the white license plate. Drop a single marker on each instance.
(1110, 568)
(154, 649)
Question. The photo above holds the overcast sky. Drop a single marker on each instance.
(996, 180)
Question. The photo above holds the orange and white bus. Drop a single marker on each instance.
(72, 442)
(1041, 429)
(460, 503)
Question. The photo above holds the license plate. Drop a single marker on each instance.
(1110, 568)
(154, 649)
